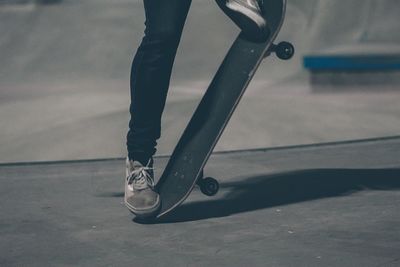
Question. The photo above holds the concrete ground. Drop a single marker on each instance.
(64, 78)
(58, 123)
(319, 205)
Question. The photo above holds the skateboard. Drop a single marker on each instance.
(185, 167)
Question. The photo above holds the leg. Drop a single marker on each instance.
(151, 72)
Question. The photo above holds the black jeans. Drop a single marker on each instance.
(151, 72)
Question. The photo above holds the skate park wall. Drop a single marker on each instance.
(64, 76)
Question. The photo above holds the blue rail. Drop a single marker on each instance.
(352, 62)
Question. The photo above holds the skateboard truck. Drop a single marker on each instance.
(283, 50)
(208, 185)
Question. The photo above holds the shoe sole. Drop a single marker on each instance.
(145, 213)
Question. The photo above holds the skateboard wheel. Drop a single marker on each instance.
(284, 50)
(209, 186)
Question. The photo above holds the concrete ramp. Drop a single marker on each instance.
(333, 204)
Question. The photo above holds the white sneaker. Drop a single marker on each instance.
(247, 15)
(140, 197)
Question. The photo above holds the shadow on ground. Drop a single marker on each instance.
(265, 191)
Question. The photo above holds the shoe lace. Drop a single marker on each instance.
(141, 178)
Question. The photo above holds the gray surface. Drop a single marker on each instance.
(367, 81)
(64, 77)
(95, 39)
(327, 205)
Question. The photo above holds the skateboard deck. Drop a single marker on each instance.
(199, 138)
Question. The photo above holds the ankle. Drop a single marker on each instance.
(144, 159)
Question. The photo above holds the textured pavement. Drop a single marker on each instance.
(318, 205)
(64, 77)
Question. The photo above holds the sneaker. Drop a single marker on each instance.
(247, 15)
(140, 196)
